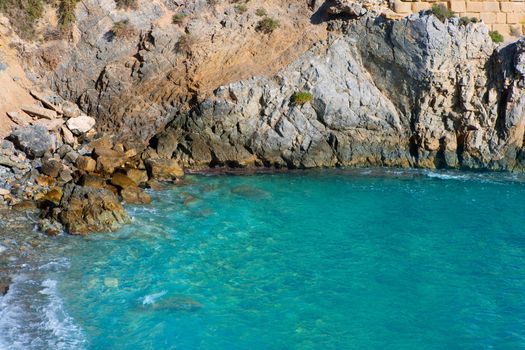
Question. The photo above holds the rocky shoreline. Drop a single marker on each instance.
(364, 89)
(55, 162)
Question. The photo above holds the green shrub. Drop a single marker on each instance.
(185, 44)
(123, 29)
(261, 12)
(241, 8)
(23, 15)
(35, 9)
(302, 97)
(463, 21)
(66, 13)
(267, 25)
(496, 36)
(127, 4)
(178, 18)
(442, 12)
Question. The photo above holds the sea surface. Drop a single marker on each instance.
(340, 259)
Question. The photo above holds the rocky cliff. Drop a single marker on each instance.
(414, 92)
(200, 82)
(172, 53)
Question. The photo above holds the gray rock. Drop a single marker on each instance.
(71, 110)
(7, 147)
(51, 167)
(34, 140)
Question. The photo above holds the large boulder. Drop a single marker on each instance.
(34, 140)
(87, 209)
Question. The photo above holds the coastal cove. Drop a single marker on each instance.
(360, 258)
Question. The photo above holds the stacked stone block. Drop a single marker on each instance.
(507, 17)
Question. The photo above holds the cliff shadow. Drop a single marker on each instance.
(320, 15)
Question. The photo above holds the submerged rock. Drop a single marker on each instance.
(177, 304)
(249, 191)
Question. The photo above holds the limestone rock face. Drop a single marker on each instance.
(135, 86)
(416, 92)
(34, 140)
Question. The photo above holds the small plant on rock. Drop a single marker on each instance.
(185, 44)
(261, 12)
(442, 12)
(267, 25)
(123, 29)
(127, 4)
(463, 21)
(241, 8)
(178, 18)
(496, 36)
(66, 11)
(302, 97)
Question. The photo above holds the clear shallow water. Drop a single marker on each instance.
(317, 260)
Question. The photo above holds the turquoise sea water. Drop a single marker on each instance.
(309, 260)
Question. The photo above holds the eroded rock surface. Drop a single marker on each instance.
(416, 92)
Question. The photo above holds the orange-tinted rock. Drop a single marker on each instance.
(25, 205)
(46, 181)
(88, 209)
(135, 195)
(54, 195)
(122, 181)
(104, 142)
(137, 175)
(154, 185)
(164, 169)
(85, 163)
(107, 165)
(94, 181)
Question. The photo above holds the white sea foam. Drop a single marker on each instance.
(30, 320)
(67, 334)
(55, 264)
(445, 176)
(152, 298)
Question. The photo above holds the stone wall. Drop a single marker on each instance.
(507, 17)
